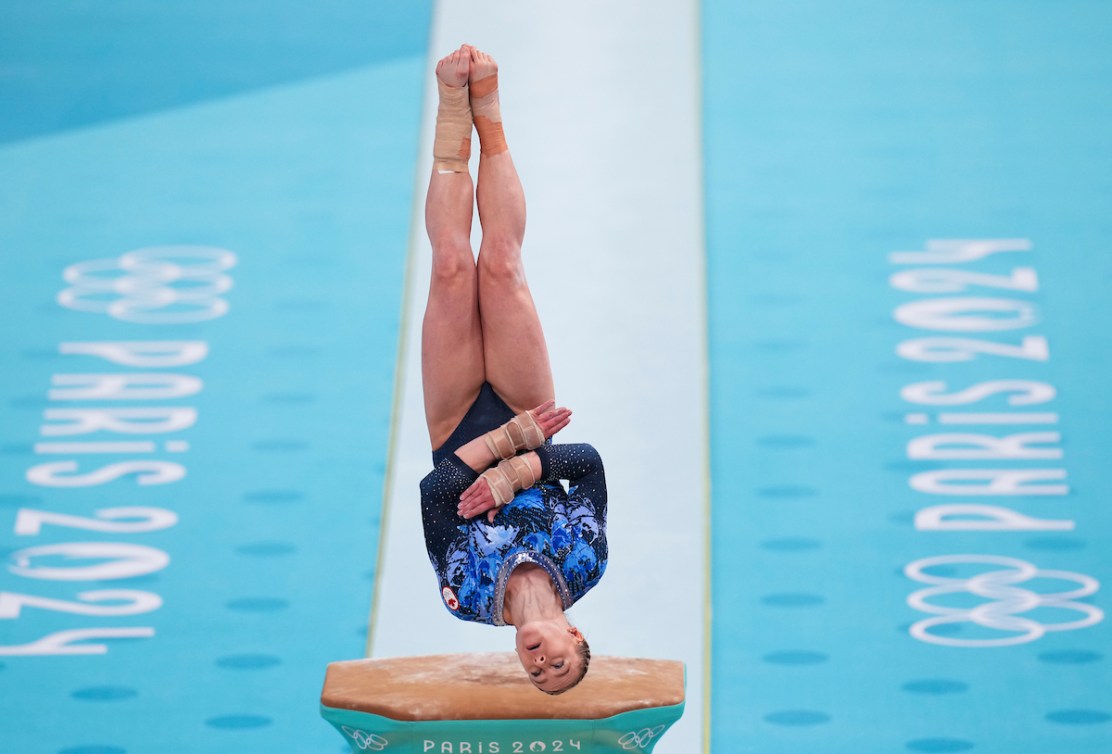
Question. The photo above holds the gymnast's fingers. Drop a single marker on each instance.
(475, 508)
(472, 499)
(477, 490)
(475, 499)
(553, 426)
(544, 408)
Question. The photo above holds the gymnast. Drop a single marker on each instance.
(509, 545)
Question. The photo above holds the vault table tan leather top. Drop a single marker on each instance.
(493, 686)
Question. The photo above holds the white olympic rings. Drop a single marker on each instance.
(158, 285)
(1007, 600)
(640, 739)
(364, 740)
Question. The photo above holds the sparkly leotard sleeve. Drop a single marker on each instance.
(562, 531)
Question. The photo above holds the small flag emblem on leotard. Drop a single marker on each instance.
(450, 598)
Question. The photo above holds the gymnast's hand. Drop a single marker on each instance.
(551, 419)
(476, 499)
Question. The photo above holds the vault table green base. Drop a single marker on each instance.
(484, 704)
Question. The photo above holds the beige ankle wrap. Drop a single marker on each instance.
(520, 433)
(508, 477)
(451, 148)
(488, 115)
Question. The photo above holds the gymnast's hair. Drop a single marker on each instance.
(584, 650)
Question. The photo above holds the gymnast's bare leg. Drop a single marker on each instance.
(480, 321)
(514, 348)
(452, 362)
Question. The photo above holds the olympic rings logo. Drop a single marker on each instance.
(158, 285)
(364, 740)
(640, 739)
(1008, 601)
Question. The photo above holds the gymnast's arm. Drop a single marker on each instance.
(581, 465)
(578, 463)
(457, 473)
(443, 485)
(477, 454)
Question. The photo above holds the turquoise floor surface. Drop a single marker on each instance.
(257, 207)
(836, 136)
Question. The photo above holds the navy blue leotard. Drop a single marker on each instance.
(561, 530)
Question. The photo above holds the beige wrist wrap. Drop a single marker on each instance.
(508, 477)
(520, 433)
(451, 148)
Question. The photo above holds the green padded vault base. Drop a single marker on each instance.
(484, 704)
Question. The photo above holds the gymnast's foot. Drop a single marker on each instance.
(454, 69)
(482, 66)
(483, 81)
(452, 146)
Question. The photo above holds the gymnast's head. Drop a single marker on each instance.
(553, 653)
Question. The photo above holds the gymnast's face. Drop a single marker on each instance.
(548, 652)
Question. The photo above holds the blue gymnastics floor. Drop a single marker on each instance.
(244, 188)
(907, 212)
(837, 137)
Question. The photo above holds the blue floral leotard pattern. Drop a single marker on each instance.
(562, 531)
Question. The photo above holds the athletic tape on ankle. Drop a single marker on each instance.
(488, 115)
(451, 149)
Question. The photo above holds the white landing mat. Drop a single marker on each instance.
(601, 110)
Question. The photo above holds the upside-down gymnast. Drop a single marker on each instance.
(484, 364)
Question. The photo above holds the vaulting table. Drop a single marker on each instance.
(485, 704)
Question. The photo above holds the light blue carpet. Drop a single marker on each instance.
(303, 173)
(837, 134)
